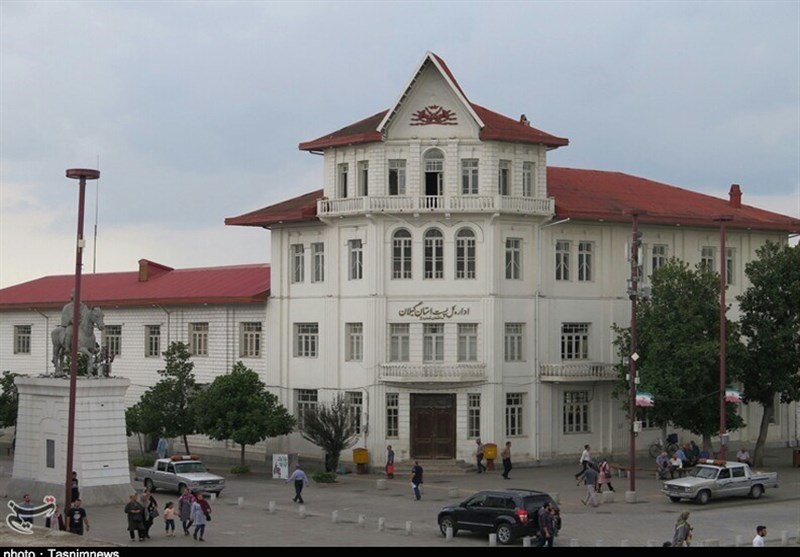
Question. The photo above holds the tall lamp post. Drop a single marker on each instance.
(723, 325)
(81, 174)
(633, 293)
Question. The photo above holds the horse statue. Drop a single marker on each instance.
(87, 343)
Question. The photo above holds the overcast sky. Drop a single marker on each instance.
(193, 111)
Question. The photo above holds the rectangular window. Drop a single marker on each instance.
(659, 256)
(305, 402)
(298, 263)
(354, 342)
(433, 342)
(514, 338)
(112, 340)
(575, 341)
(504, 178)
(22, 339)
(576, 412)
(318, 262)
(562, 260)
(527, 179)
(355, 267)
(585, 261)
(363, 178)
(514, 422)
(397, 177)
(473, 415)
(392, 415)
(729, 266)
(465, 254)
(434, 255)
(198, 339)
(341, 179)
(250, 340)
(50, 453)
(306, 338)
(707, 258)
(467, 342)
(513, 258)
(401, 255)
(355, 402)
(469, 177)
(152, 341)
(399, 342)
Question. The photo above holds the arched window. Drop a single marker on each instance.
(401, 254)
(434, 177)
(465, 254)
(434, 254)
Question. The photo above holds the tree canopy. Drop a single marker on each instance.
(9, 400)
(237, 407)
(332, 428)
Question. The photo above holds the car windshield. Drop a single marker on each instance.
(190, 468)
(704, 472)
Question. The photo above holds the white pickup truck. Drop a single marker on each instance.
(719, 478)
(177, 472)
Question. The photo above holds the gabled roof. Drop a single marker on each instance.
(590, 195)
(494, 126)
(161, 285)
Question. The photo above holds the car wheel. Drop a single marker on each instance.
(756, 491)
(675, 499)
(504, 534)
(703, 497)
(447, 522)
(148, 485)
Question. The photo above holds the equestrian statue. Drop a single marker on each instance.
(87, 343)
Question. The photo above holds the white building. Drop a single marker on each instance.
(453, 286)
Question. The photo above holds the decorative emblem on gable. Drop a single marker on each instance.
(434, 114)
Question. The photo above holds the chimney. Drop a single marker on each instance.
(524, 120)
(735, 196)
(144, 270)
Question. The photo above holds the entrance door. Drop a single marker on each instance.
(433, 426)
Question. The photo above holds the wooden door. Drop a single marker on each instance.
(433, 426)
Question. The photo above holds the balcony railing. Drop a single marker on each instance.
(408, 372)
(578, 371)
(435, 204)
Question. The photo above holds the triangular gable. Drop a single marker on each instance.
(429, 59)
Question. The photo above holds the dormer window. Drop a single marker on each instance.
(397, 177)
(341, 180)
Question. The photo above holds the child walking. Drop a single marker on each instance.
(169, 519)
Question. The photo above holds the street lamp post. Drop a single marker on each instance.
(81, 174)
(633, 293)
(723, 434)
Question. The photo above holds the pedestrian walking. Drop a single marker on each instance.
(546, 521)
(75, 492)
(26, 515)
(77, 519)
(55, 521)
(389, 462)
(185, 509)
(300, 479)
(135, 512)
(416, 479)
(479, 456)
(161, 448)
(761, 533)
(169, 519)
(505, 454)
(585, 460)
(199, 518)
(604, 476)
(150, 505)
(682, 537)
(590, 479)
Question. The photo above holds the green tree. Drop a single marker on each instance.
(143, 419)
(678, 345)
(331, 427)
(238, 407)
(770, 324)
(9, 400)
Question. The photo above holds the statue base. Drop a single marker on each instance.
(100, 448)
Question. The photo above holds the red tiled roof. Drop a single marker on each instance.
(589, 195)
(165, 286)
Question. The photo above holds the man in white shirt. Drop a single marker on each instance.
(761, 533)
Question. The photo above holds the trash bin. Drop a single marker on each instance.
(361, 459)
(795, 458)
(490, 454)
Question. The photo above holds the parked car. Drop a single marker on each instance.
(510, 513)
(177, 472)
(719, 478)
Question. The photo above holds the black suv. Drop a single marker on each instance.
(510, 513)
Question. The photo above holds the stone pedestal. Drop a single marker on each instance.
(100, 448)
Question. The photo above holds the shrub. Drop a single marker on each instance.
(145, 461)
(324, 477)
(240, 469)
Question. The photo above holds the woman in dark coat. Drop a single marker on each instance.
(135, 512)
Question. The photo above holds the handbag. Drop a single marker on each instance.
(153, 512)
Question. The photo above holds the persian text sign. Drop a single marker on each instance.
(429, 313)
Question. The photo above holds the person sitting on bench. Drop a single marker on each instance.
(675, 465)
(662, 465)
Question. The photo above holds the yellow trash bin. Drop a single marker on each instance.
(490, 454)
(361, 458)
